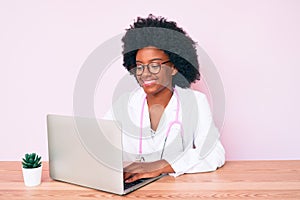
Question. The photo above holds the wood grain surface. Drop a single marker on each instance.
(235, 180)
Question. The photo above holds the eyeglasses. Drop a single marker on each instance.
(153, 68)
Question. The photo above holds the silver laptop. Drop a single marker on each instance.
(88, 152)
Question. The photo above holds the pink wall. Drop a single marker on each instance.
(254, 45)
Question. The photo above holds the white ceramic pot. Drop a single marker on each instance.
(32, 177)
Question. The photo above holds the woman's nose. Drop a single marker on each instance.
(146, 72)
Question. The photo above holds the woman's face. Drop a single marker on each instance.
(153, 84)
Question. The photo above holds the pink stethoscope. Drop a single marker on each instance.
(140, 158)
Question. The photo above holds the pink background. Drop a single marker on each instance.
(254, 45)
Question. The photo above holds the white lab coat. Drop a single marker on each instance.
(195, 149)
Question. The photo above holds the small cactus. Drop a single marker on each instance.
(31, 161)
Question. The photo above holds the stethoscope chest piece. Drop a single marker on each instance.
(139, 158)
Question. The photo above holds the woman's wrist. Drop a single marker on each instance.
(165, 167)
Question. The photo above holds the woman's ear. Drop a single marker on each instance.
(174, 70)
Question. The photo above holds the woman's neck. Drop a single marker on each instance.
(157, 104)
(162, 98)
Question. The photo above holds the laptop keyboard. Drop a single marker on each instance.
(129, 185)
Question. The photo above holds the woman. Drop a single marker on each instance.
(165, 124)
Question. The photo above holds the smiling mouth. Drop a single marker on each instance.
(148, 82)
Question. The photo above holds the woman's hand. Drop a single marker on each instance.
(138, 170)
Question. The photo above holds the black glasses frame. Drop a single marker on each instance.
(134, 70)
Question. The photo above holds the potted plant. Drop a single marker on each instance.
(32, 169)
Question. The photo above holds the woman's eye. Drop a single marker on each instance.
(139, 67)
(155, 65)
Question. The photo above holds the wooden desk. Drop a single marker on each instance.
(236, 180)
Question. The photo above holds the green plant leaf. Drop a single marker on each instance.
(33, 156)
(25, 165)
(31, 160)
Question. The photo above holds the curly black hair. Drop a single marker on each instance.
(167, 36)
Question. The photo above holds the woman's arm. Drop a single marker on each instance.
(208, 153)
